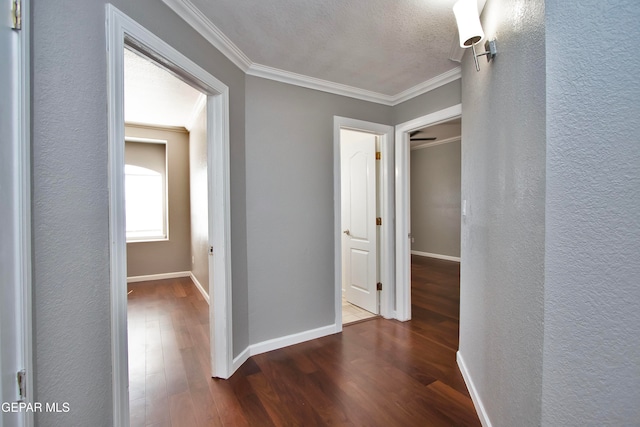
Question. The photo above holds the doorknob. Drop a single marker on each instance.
(347, 232)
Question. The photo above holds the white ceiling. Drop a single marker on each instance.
(381, 50)
(153, 96)
(384, 51)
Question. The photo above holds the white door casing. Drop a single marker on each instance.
(386, 189)
(15, 217)
(123, 30)
(402, 204)
(359, 193)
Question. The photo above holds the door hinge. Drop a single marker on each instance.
(378, 155)
(22, 384)
(378, 221)
(16, 14)
(378, 286)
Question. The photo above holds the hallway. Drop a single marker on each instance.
(378, 372)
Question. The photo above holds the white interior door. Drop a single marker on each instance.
(12, 329)
(359, 247)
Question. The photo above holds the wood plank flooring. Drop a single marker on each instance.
(376, 373)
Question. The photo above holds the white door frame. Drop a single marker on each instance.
(121, 31)
(403, 205)
(18, 276)
(386, 233)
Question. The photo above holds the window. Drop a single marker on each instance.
(145, 191)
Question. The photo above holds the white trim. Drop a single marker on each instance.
(200, 104)
(22, 208)
(286, 341)
(473, 392)
(387, 199)
(195, 281)
(207, 29)
(403, 208)
(160, 276)
(434, 143)
(241, 358)
(144, 140)
(281, 342)
(120, 30)
(301, 80)
(199, 22)
(427, 86)
(438, 256)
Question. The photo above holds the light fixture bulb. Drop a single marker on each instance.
(468, 20)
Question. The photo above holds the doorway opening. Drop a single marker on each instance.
(124, 32)
(167, 232)
(363, 218)
(360, 197)
(415, 129)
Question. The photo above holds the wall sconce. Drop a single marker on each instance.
(470, 30)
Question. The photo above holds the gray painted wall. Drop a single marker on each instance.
(592, 264)
(172, 255)
(70, 198)
(435, 100)
(290, 204)
(435, 199)
(199, 200)
(502, 242)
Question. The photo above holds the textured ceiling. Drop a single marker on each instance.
(384, 46)
(153, 96)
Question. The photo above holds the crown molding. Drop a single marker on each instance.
(283, 76)
(429, 85)
(196, 19)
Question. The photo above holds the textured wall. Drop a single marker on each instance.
(144, 258)
(199, 200)
(502, 243)
(592, 264)
(290, 204)
(435, 199)
(70, 214)
(70, 198)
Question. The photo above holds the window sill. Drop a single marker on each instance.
(148, 240)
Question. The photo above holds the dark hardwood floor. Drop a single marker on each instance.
(376, 373)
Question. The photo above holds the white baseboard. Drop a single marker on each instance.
(277, 343)
(477, 402)
(240, 359)
(430, 255)
(199, 286)
(161, 276)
